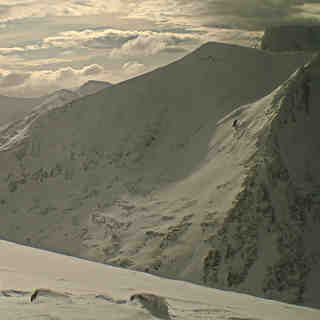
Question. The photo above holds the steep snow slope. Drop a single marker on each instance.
(71, 288)
(268, 244)
(12, 108)
(143, 174)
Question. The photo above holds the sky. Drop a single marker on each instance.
(53, 44)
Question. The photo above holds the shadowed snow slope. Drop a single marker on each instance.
(71, 288)
(145, 174)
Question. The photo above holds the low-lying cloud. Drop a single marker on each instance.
(121, 42)
(133, 68)
(117, 42)
(44, 81)
(9, 79)
(151, 43)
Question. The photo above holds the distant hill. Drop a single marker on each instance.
(291, 38)
(12, 108)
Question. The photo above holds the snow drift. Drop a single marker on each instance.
(71, 288)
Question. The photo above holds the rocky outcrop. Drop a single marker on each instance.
(267, 245)
(291, 38)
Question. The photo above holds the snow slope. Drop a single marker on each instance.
(144, 174)
(17, 123)
(16, 130)
(268, 244)
(71, 288)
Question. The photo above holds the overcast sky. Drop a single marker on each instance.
(51, 44)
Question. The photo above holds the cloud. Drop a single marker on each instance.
(251, 14)
(151, 43)
(248, 13)
(107, 38)
(44, 81)
(7, 60)
(118, 42)
(235, 36)
(15, 9)
(12, 50)
(8, 79)
(133, 68)
(92, 70)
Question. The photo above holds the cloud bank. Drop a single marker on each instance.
(133, 68)
(76, 33)
(45, 81)
(249, 13)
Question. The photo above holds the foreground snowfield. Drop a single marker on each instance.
(79, 289)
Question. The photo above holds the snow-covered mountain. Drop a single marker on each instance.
(69, 288)
(16, 130)
(268, 243)
(15, 109)
(16, 123)
(150, 174)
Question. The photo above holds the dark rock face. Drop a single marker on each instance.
(291, 38)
